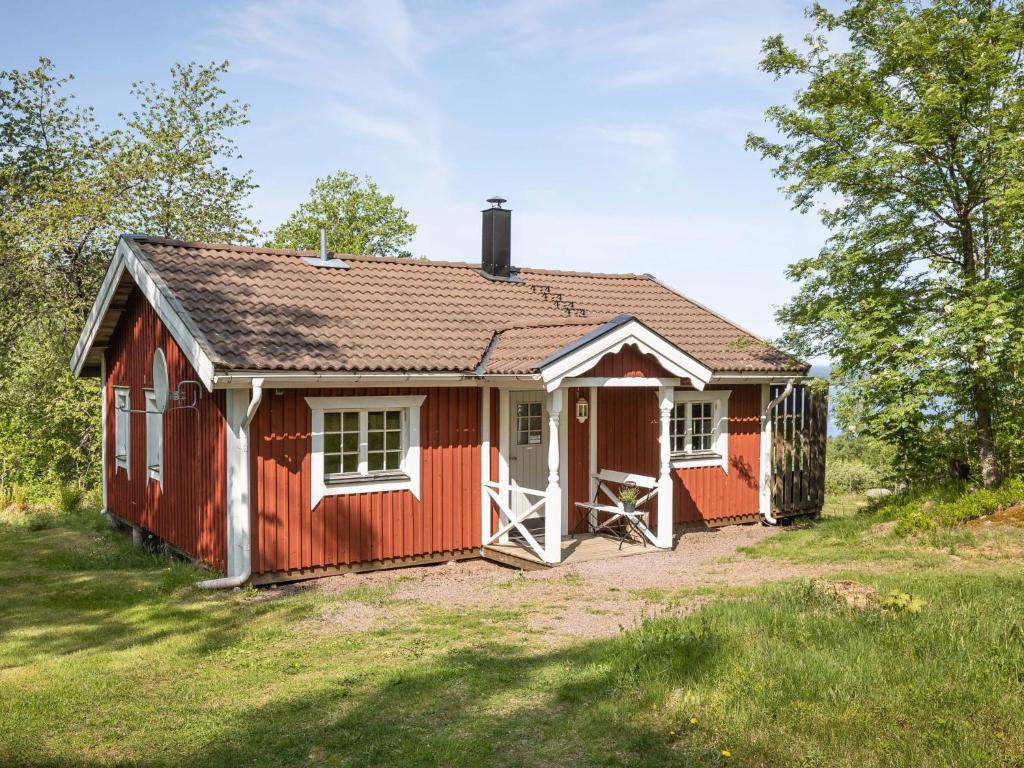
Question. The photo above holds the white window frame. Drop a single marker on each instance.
(718, 456)
(410, 465)
(154, 439)
(123, 429)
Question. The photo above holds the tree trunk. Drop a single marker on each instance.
(986, 438)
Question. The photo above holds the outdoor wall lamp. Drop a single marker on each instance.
(582, 409)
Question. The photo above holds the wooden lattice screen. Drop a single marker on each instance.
(799, 427)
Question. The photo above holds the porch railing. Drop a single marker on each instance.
(503, 497)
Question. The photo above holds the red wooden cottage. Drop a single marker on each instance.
(332, 413)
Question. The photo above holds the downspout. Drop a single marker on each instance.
(766, 516)
(230, 582)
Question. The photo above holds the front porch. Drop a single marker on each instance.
(548, 470)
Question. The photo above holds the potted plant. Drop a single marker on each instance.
(628, 495)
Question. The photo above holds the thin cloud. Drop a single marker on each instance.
(378, 127)
(653, 141)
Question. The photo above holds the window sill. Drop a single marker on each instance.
(341, 485)
(695, 460)
(337, 481)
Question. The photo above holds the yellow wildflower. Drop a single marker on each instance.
(726, 753)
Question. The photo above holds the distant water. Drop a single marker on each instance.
(822, 370)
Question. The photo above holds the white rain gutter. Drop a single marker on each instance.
(242, 379)
(767, 515)
(230, 582)
(296, 379)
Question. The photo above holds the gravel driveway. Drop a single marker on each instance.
(589, 599)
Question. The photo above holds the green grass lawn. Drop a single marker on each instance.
(110, 657)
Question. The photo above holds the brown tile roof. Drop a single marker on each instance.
(265, 309)
(518, 350)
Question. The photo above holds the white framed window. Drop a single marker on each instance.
(122, 429)
(529, 424)
(154, 440)
(700, 429)
(364, 444)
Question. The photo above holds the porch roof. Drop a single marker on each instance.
(571, 349)
(523, 350)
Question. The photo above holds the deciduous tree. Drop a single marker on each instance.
(68, 188)
(906, 134)
(358, 217)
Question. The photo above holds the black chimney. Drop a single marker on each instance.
(496, 257)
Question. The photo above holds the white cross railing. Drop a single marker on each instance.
(502, 496)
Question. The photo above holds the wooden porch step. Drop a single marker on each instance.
(517, 557)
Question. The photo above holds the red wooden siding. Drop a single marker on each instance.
(628, 442)
(706, 494)
(379, 526)
(578, 459)
(627, 432)
(628, 362)
(190, 510)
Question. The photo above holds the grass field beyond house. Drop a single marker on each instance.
(111, 657)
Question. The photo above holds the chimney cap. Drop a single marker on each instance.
(496, 201)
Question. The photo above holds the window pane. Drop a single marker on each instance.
(702, 426)
(394, 440)
(350, 463)
(351, 422)
(332, 443)
(394, 459)
(677, 428)
(375, 419)
(332, 422)
(376, 462)
(394, 419)
(332, 464)
(350, 442)
(376, 440)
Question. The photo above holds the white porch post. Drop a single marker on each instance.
(666, 403)
(485, 463)
(553, 505)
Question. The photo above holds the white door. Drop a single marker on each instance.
(528, 452)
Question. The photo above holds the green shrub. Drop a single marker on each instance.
(69, 499)
(41, 519)
(947, 505)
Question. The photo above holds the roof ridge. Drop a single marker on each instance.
(411, 261)
(296, 252)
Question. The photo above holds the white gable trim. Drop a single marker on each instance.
(126, 260)
(584, 357)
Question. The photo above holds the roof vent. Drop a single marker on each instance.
(325, 260)
(496, 254)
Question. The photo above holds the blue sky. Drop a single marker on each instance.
(614, 129)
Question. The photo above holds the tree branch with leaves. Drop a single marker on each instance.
(905, 136)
